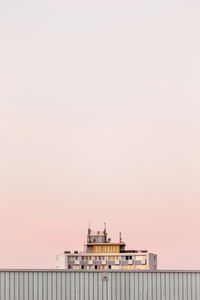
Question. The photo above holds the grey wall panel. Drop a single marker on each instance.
(111, 285)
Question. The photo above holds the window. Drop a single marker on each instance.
(130, 267)
(69, 267)
(109, 266)
(140, 267)
(82, 257)
(99, 257)
(82, 267)
(101, 249)
(95, 267)
(123, 257)
(140, 257)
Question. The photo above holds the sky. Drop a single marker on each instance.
(99, 122)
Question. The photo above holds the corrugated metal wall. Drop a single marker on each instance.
(60, 285)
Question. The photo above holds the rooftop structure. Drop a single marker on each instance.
(100, 253)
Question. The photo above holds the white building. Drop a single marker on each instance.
(102, 254)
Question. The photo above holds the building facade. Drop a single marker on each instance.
(102, 254)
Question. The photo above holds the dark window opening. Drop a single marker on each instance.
(82, 267)
(109, 267)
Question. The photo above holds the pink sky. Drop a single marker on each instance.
(99, 122)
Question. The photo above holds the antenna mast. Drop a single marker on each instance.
(120, 237)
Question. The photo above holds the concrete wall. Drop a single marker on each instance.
(60, 261)
(115, 285)
(152, 262)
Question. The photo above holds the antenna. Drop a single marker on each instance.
(105, 233)
(89, 230)
(120, 237)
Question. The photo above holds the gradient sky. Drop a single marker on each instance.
(99, 122)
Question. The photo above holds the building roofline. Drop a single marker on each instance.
(106, 244)
(107, 253)
(99, 271)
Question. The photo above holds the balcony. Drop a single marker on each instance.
(130, 262)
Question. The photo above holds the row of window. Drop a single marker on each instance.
(89, 267)
(141, 257)
(109, 267)
(106, 249)
(119, 262)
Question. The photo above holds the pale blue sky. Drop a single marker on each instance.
(99, 121)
